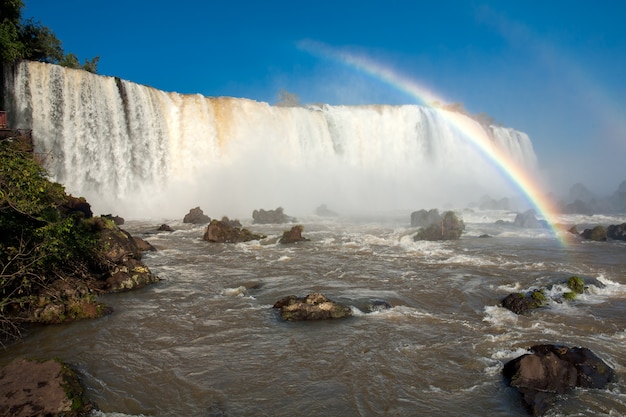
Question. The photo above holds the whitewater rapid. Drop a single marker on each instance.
(144, 153)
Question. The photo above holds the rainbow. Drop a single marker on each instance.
(469, 129)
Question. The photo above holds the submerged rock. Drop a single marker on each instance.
(41, 388)
(312, 307)
(552, 369)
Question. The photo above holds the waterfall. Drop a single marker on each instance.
(140, 152)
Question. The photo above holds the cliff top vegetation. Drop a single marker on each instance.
(30, 40)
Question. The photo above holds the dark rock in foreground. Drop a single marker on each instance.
(271, 216)
(550, 370)
(293, 235)
(196, 216)
(312, 307)
(223, 231)
(41, 388)
(449, 228)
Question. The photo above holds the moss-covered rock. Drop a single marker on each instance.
(576, 284)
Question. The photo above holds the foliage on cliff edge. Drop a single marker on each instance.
(47, 238)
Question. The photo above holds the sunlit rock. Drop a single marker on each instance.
(312, 307)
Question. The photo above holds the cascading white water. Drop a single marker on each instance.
(143, 153)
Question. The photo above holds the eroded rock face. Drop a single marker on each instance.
(312, 307)
(293, 235)
(40, 388)
(196, 216)
(552, 369)
(219, 231)
(271, 216)
(449, 228)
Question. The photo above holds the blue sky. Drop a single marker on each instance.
(553, 69)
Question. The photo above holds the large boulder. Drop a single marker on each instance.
(271, 216)
(293, 235)
(312, 307)
(597, 234)
(423, 218)
(616, 231)
(219, 231)
(196, 216)
(519, 303)
(527, 220)
(449, 228)
(552, 369)
(30, 388)
(122, 259)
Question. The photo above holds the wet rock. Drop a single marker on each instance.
(597, 234)
(165, 228)
(527, 220)
(552, 369)
(196, 216)
(521, 302)
(223, 232)
(616, 232)
(143, 245)
(271, 216)
(115, 219)
(378, 305)
(293, 235)
(31, 388)
(449, 228)
(423, 218)
(129, 275)
(312, 307)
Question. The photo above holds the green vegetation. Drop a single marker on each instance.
(30, 40)
(576, 284)
(46, 237)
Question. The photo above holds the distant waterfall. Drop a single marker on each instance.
(139, 152)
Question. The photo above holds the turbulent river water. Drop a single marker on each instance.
(205, 341)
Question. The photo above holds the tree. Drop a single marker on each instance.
(32, 41)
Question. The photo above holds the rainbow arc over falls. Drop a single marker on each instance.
(469, 129)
